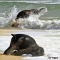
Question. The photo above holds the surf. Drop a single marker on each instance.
(32, 22)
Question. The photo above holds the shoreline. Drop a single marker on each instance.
(7, 32)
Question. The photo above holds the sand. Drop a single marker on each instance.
(7, 32)
(5, 57)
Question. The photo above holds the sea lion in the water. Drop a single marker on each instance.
(26, 14)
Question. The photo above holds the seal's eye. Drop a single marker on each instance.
(15, 51)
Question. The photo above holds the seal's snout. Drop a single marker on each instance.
(43, 9)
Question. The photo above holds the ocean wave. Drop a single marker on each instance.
(43, 2)
(32, 22)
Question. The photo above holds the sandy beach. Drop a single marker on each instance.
(5, 57)
(7, 32)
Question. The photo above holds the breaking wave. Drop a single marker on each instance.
(32, 22)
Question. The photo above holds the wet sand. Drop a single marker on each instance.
(5, 57)
(7, 32)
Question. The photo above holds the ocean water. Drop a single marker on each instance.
(49, 20)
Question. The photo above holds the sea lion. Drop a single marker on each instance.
(23, 44)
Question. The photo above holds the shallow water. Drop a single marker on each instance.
(48, 39)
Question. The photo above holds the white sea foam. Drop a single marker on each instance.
(6, 21)
(32, 21)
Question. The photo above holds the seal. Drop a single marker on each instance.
(26, 13)
(23, 44)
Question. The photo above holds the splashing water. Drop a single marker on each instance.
(13, 13)
(32, 22)
(6, 21)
